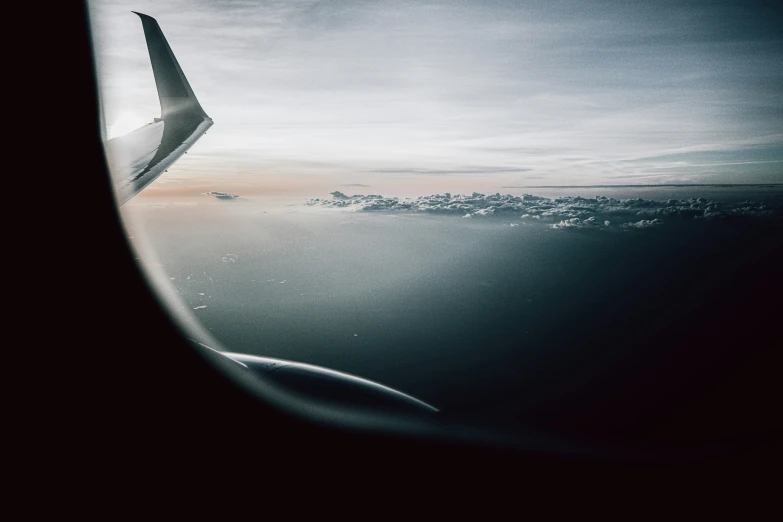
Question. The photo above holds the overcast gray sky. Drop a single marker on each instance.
(416, 97)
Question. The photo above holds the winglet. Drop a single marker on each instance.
(176, 96)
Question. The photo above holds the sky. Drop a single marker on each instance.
(410, 98)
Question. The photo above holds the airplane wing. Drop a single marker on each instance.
(136, 159)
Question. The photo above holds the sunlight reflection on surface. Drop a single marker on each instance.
(125, 123)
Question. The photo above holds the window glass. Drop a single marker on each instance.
(553, 217)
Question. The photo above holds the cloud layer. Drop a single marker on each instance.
(560, 213)
(568, 92)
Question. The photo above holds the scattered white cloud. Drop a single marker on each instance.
(644, 223)
(221, 195)
(561, 212)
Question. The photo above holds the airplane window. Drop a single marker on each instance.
(556, 219)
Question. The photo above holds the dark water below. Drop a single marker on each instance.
(522, 325)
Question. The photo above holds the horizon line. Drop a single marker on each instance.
(652, 185)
